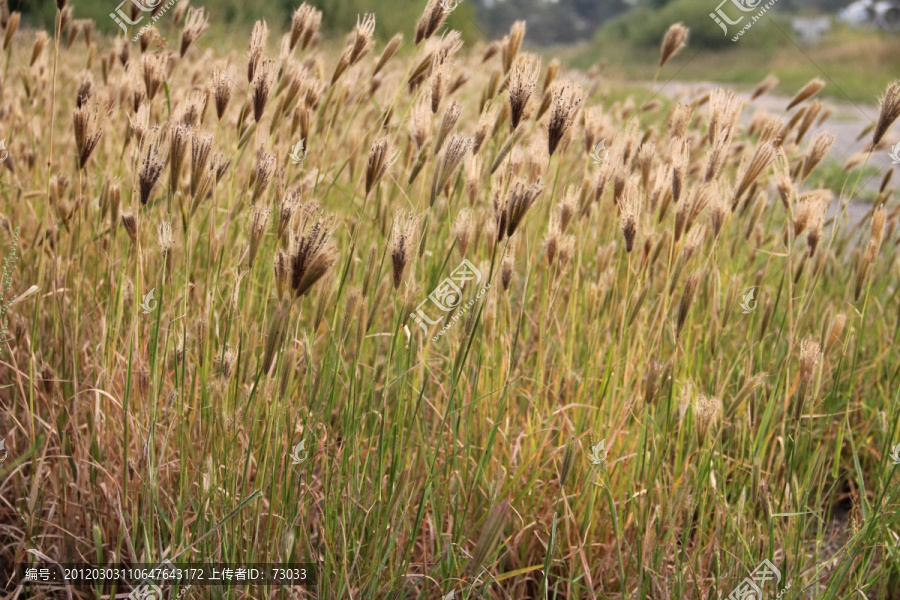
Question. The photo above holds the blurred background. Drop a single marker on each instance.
(854, 46)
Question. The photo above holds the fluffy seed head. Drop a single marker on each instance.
(520, 199)
(567, 99)
(195, 24)
(430, 21)
(675, 39)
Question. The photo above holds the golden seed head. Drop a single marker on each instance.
(512, 43)
(806, 92)
(388, 53)
(765, 86)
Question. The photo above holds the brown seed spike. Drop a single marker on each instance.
(675, 39)
(890, 111)
(522, 82)
(381, 157)
(567, 99)
(402, 245)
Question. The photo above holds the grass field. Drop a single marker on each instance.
(448, 347)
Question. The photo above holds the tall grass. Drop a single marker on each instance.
(738, 428)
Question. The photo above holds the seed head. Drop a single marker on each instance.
(222, 89)
(129, 222)
(508, 265)
(522, 82)
(86, 120)
(810, 355)
(490, 535)
(707, 413)
(520, 199)
(448, 122)
(259, 219)
(512, 43)
(258, 38)
(890, 111)
(381, 157)
(567, 99)
(687, 299)
(806, 92)
(463, 230)
(818, 148)
(195, 24)
(309, 255)
(164, 238)
(763, 157)
(765, 86)
(359, 42)
(388, 53)
(40, 42)
(154, 69)
(430, 20)
(178, 143)
(153, 162)
(455, 151)
(724, 114)
(261, 176)
(629, 211)
(304, 25)
(402, 245)
(675, 39)
(261, 87)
